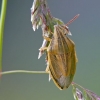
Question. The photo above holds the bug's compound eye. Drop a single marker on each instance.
(66, 30)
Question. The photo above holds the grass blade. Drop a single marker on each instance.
(2, 21)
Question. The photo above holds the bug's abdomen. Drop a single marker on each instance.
(62, 69)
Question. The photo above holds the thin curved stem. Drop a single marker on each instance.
(23, 71)
(33, 72)
(73, 83)
(2, 21)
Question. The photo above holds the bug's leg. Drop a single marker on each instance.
(47, 68)
(47, 63)
(44, 44)
(43, 48)
(41, 51)
(46, 38)
(49, 77)
(48, 71)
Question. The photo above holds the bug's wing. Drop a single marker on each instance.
(58, 71)
(62, 59)
(62, 69)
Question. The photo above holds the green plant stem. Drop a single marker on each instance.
(23, 71)
(2, 21)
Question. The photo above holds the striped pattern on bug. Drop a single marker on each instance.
(61, 57)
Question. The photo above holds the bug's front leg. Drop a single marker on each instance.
(47, 38)
(44, 46)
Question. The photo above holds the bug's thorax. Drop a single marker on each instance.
(59, 39)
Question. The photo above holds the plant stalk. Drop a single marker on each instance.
(23, 71)
(2, 21)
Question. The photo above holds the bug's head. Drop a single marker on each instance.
(62, 28)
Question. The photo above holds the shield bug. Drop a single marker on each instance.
(61, 57)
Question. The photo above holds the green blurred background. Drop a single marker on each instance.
(21, 44)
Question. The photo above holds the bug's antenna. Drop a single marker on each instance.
(72, 19)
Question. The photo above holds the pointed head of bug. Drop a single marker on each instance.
(62, 28)
(67, 31)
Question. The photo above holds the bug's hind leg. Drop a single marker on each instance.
(48, 71)
(47, 68)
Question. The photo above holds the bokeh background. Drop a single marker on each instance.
(21, 44)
